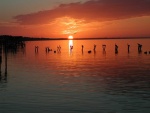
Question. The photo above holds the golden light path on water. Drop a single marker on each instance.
(70, 44)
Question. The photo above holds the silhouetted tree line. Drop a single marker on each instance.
(9, 38)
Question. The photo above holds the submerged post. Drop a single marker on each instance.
(82, 48)
(94, 47)
(139, 48)
(36, 49)
(104, 47)
(116, 48)
(128, 48)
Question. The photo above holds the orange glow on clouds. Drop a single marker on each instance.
(92, 18)
(67, 25)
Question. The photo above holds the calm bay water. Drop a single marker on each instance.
(74, 81)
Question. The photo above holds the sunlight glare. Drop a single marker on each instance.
(70, 37)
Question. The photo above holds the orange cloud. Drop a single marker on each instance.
(94, 18)
(93, 10)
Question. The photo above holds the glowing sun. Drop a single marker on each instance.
(70, 37)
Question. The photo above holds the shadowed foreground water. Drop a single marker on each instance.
(74, 81)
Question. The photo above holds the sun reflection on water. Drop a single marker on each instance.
(70, 46)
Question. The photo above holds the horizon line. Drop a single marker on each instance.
(90, 38)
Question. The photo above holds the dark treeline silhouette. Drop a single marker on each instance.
(21, 38)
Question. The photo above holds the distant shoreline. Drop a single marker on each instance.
(21, 38)
(110, 38)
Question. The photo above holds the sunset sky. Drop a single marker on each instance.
(80, 18)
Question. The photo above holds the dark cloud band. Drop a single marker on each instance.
(99, 10)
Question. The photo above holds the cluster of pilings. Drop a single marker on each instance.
(47, 49)
(9, 45)
(14, 46)
(116, 48)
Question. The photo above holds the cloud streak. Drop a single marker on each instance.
(93, 10)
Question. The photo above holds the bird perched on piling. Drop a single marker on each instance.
(89, 51)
